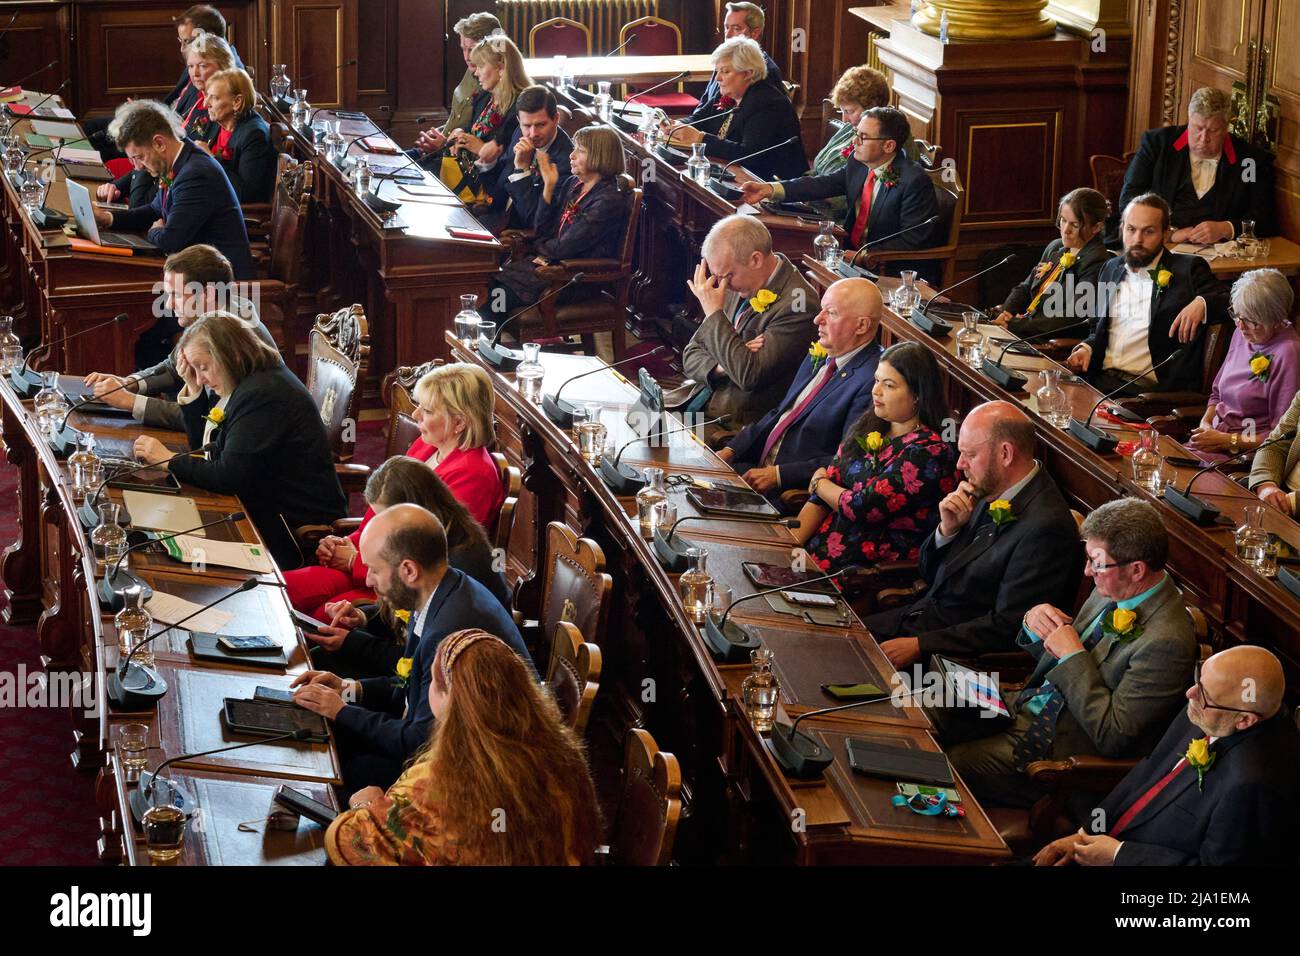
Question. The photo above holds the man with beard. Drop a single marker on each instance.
(1006, 542)
(380, 722)
(1151, 305)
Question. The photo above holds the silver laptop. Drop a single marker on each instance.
(83, 211)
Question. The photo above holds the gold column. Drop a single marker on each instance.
(987, 19)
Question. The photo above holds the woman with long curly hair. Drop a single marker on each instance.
(503, 781)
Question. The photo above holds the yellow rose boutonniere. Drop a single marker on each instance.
(1000, 512)
(762, 300)
(1121, 624)
(1068, 260)
(403, 670)
(1161, 278)
(403, 616)
(1201, 759)
(871, 444)
(818, 353)
(216, 416)
(1259, 365)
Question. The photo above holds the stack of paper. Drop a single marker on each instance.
(226, 554)
(170, 609)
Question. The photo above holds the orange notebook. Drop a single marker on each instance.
(85, 245)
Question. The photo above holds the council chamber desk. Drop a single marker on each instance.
(658, 673)
(50, 575)
(1240, 605)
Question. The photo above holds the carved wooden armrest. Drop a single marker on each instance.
(345, 526)
(596, 270)
(1081, 772)
(352, 476)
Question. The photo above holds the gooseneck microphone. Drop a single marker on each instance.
(48, 66)
(25, 382)
(798, 754)
(730, 642)
(1199, 510)
(1098, 440)
(116, 581)
(939, 327)
(719, 188)
(171, 794)
(573, 84)
(316, 73)
(504, 359)
(1009, 378)
(64, 438)
(866, 246)
(49, 96)
(672, 79)
(133, 686)
(88, 512)
(562, 412)
(671, 551)
(626, 480)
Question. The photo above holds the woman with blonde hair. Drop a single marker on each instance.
(499, 68)
(240, 140)
(269, 444)
(499, 752)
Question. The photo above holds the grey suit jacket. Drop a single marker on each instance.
(754, 382)
(1276, 461)
(1121, 695)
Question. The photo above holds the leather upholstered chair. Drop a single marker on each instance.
(645, 824)
(576, 589)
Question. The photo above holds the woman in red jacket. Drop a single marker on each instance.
(454, 413)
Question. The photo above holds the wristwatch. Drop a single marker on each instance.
(1235, 442)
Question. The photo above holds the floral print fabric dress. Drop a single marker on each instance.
(890, 501)
(401, 828)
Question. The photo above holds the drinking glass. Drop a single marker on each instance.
(164, 833)
(31, 192)
(133, 739)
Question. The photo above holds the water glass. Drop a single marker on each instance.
(133, 739)
(486, 332)
(32, 193)
(164, 833)
(11, 358)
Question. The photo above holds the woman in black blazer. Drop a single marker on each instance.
(270, 445)
(764, 116)
(1048, 300)
(581, 218)
(239, 139)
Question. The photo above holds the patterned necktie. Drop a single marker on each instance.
(864, 209)
(1037, 742)
(783, 425)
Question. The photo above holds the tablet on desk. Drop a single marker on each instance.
(271, 720)
(729, 500)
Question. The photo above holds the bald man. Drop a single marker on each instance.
(831, 391)
(747, 350)
(987, 567)
(380, 722)
(1242, 809)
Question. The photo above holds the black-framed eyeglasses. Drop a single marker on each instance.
(1098, 568)
(860, 138)
(1241, 320)
(1205, 699)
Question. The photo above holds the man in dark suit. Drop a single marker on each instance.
(747, 350)
(829, 393)
(1151, 304)
(1107, 680)
(195, 202)
(1218, 790)
(1211, 179)
(517, 189)
(741, 20)
(987, 566)
(380, 722)
(885, 191)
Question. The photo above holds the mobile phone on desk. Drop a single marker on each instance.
(258, 644)
(853, 692)
(305, 806)
(273, 695)
(809, 599)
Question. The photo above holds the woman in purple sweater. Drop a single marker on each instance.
(1261, 372)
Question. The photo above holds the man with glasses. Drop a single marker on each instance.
(830, 391)
(1220, 787)
(1006, 541)
(1107, 680)
(886, 193)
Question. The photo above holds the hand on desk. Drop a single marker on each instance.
(107, 192)
(151, 450)
(1271, 494)
(124, 399)
(1203, 233)
(902, 651)
(1003, 318)
(679, 133)
(754, 192)
(103, 217)
(726, 455)
(710, 290)
(320, 700)
(107, 380)
(764, 480)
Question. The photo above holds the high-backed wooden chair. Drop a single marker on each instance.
(576, 589)
(338, 351)
(1108, 175)
(1155, 404)
(511, 485)
(257, 215)
(573, 676)
(654, 36)
(645, 824)
(606, 311)
(559, 36)
(282, 268)
(949, 196)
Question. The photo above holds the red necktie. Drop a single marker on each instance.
(782, 426)
(864, 210)
(1141, 802)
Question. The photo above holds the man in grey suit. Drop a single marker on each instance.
(196, 280)
(1107, 681)
(757, 328)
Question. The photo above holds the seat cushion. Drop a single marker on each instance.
(670, 102)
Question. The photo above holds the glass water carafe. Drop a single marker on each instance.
(906, 296)
(970, 340)
(467, 320)
(696, 586)
(1148, 464)
(698, 165)
(108, 539)
(280, 83)
(134, 624)
(653, 509)
(760, 690)
(84, 466)
(1255, 545)
(1053, 403)
(49, 404)
(300, 110)
(826, 247)
(529, 373)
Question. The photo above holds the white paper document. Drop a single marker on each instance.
(226, 554)
(170, 609)
(162, 512)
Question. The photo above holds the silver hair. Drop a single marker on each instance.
(744, 54)
(1207, 102)
(1264, 296)
(740, 235)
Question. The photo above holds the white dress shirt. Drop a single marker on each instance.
(1127, 349)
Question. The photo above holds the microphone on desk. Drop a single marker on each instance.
(562, 412)
(760, 152)
(1009, 378)
(730, 642)
(672, 79)
(43, 216)
(1098, 440)
(48, 96)
(89, 515)
(64, 438)
(337, 67)
(716, 185)
(573, 84)
(626, 480)
(170, 793)
(1199, 510)
(867, 246)
(25, 382)
(797, 754)
(133, 686)
(920, 316)
(48, 66)
(504, 359)
(671, 552)
(116, 581)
